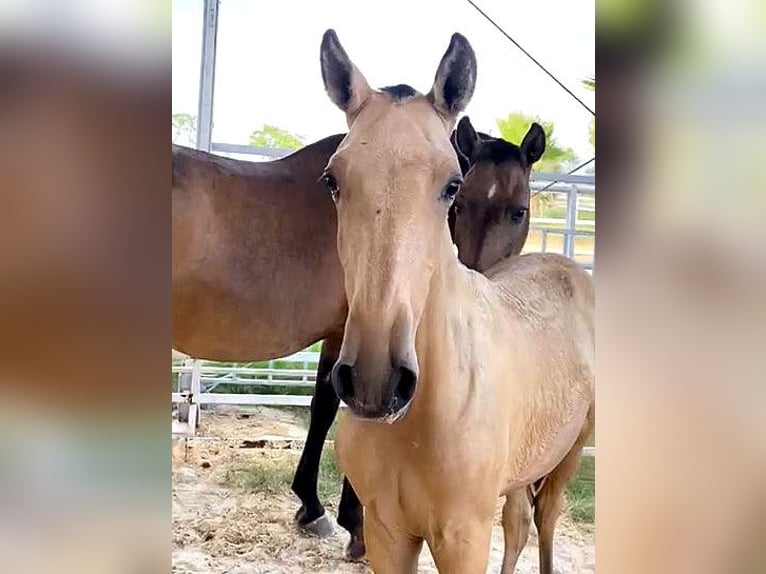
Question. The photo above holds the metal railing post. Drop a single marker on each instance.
(184, 387)
(569, 237)
(195, 393)
(207, 75)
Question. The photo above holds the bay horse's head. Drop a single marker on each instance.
(393, 179)
(490, 217)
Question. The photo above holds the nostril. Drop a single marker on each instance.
(344, 384)
(405, 387)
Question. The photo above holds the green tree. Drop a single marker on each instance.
(184, 129)
(272, 136)
(555, 159)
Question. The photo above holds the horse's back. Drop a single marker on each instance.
(555, 294)
(538, 285)
(208, 173)
(255, 268)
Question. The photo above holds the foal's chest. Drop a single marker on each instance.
(403, 476)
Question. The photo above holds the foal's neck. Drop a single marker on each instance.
(446, 341)
(453, 286)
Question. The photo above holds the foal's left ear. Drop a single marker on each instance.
(533, 144)
(347, 87)
(455, 79)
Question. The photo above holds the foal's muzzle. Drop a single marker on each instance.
(364, 403)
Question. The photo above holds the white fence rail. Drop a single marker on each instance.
(196, 381)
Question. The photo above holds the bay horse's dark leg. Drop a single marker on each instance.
(351, 517)
(311, 516)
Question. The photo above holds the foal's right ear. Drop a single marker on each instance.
(344, 83)
(455, 79)
(466, 138)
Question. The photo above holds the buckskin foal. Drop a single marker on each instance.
(496, 189)
(462, 387)
(256, 273)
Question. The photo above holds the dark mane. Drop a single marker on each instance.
(497, 150)
(401, 92)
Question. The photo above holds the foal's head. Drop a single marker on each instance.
(393, 179)
(493, 204)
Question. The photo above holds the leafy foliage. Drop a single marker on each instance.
(184, 129)
(274, 137)
(556, 158)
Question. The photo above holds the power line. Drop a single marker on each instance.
(570, 172)
(528, 55)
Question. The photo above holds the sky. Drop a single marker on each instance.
(268, 60)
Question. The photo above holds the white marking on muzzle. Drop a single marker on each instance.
(492, 191)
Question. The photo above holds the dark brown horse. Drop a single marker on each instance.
(256, 274)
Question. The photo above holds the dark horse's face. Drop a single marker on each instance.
(490, 217)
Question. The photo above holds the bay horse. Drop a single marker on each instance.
(256, 274)
(462, 387)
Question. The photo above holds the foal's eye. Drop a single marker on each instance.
(332, 184)
(515, 214)
(451, 189)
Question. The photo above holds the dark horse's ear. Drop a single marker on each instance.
(455, 79)
(344, 83)
(466, 138)
(533, 144)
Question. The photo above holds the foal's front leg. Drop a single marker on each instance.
(463, 549)
(324, 406)
(390, 551)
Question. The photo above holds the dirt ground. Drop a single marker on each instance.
(221, 527)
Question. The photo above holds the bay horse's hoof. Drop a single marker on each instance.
(320, 527)
(355, 549)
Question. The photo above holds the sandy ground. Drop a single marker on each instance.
(219, 528)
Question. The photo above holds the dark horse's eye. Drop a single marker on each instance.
(451, 189)
(515, 214)
(332, 184)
